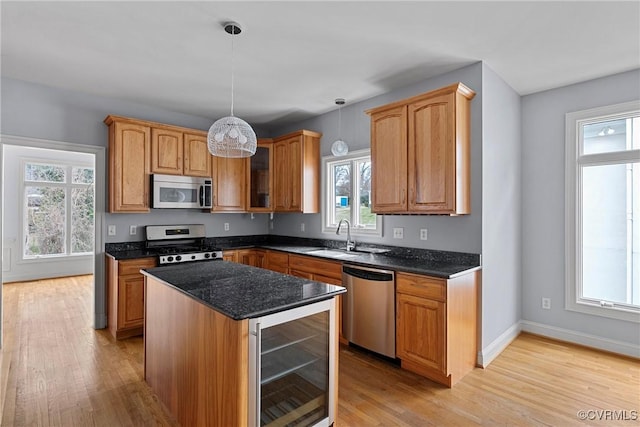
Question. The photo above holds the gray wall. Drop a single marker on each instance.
(543, 245)
(501, 202)
(461, 234)
(43, 112)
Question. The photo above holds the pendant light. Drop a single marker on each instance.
(231, 136)
(339, 147)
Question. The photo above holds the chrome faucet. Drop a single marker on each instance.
(351, 244)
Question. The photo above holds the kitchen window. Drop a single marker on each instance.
(347, 194)
(602, 211)
(58, 209)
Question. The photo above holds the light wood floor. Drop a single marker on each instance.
(58, 371)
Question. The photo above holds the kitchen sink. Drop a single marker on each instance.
(333, 253)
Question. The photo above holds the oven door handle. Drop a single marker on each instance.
(201, 195)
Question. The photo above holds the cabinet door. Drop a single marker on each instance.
(432, 163)
(197, 159)
(130, 301)
(295, 174)
(166, 151)
(230, 256)
(421, 334)
(282, 175)
(389, 160)
(302, 274)
(260, 179)
(229, 184)
(129, 152)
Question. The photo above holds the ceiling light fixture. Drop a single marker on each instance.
(607, 130)
(231, 136)
(339, 147)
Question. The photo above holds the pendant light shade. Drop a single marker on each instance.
(231, 136)
(339, 147)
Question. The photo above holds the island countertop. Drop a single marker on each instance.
(240, 291)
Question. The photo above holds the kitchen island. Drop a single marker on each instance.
(232, 345)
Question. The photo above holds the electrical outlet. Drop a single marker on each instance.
(398, 233)
(302, 227)
(226, 226)
(546, 303)
(112, 230)
(423, 234)
(133, 230)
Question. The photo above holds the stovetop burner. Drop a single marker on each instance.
(180, 243)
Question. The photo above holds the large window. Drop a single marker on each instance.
(602, 211)
(348, 194)
(58, 209)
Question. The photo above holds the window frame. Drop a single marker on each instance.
(575, 161)
(68, 185)
(327, 162)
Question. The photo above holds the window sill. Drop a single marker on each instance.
(593, 309)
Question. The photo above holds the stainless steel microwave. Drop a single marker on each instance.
(181, 192)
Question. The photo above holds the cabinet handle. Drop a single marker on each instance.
(404, 193)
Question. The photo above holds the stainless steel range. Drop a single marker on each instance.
(180, 243)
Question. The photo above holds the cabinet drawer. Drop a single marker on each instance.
(133, 266)
(421, 286)
(314, 265)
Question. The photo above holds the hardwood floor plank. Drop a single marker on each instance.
(59, 371)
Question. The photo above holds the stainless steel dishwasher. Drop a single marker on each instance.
(368, 308)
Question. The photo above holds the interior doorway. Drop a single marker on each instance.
(33, 246)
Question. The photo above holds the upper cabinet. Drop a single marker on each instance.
(129, 165)
(296, 160)
(196, 155)
(260, 178)
(420, 153)
(166, 151)
(229, 177)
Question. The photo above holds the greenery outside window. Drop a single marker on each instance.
(602, 211)
(58, 210)
(347, 194)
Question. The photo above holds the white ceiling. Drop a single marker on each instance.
(294, 58)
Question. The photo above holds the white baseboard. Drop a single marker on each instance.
(490, 352)
(588, 340)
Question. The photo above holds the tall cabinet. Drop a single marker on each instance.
(420, 153)
(296, 170)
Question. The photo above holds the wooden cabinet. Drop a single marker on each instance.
(167, 151)
(436, 325)
(253, 257)
(321, 271)
(125, 296)
(176, 152)
(229, 177)
(230, 256)
(129, 165)
(277, 261)
(260, 178)
(196, 155)
(296, 158)
(420, 153)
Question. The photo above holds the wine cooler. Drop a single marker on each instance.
(292, 367)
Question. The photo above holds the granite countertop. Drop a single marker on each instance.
(441, 264)
(240, 291)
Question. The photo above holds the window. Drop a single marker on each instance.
(348, 194)
(58, 210)
(602, 211)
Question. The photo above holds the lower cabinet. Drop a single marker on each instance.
(436, 325)
(253, 257)
(277, 261)
(125, 295)
(321, 271)
(230, 256)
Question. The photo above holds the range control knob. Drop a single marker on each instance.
(178, 258)
(169, 258)
(207, 255)
(193, 257)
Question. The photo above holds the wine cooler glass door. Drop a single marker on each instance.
(294, 368)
